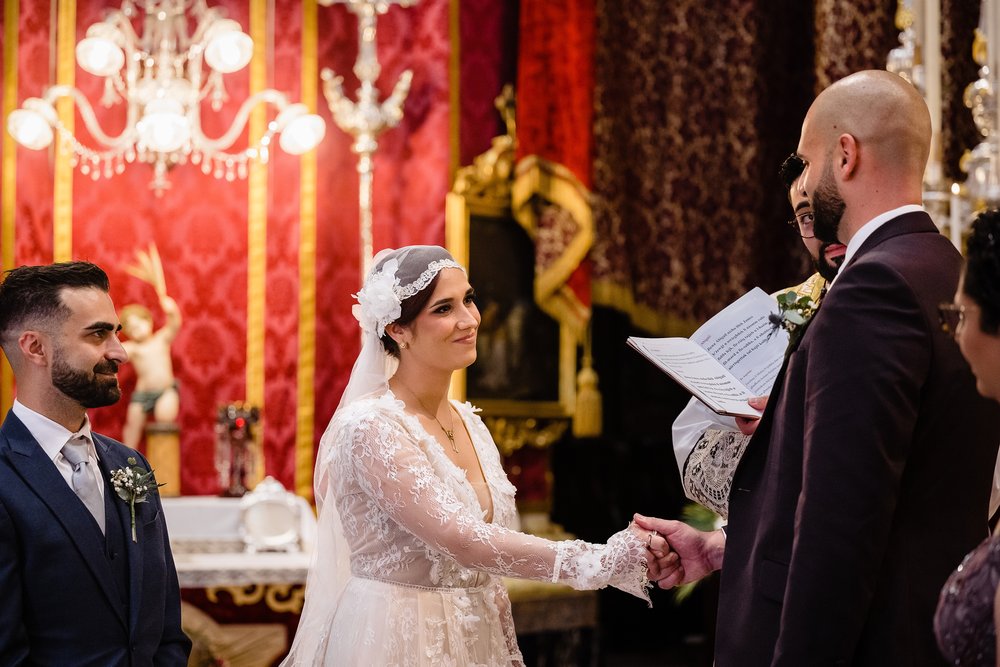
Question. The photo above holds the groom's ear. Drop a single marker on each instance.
(33, 347)
(847, 156)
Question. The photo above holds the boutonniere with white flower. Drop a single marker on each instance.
(794, 312)
(378, 304)
(133, 484)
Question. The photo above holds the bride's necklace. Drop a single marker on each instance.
(448, 432)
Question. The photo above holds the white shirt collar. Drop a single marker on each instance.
(869, 228)
(50, 435)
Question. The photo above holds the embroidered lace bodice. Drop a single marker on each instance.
(425, 556)
(411, 516)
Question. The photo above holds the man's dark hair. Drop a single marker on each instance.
(982, 269)
(791, 169)
(31, 294)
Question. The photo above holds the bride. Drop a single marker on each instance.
(417, 521)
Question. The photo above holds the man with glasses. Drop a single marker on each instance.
(707, 445)
(868, 475)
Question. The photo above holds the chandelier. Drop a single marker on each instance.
(163, 76)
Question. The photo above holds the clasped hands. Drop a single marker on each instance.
(679, 554)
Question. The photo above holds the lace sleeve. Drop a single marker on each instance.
(392, 469)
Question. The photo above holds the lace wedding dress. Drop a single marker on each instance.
(422, 582)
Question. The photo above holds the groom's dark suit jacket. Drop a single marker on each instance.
(68, 594)
(869, 475)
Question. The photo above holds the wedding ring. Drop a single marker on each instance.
(649, 542)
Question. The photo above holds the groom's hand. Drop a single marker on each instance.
(700, 552)
(660, 560)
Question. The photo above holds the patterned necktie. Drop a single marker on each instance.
(84, 478)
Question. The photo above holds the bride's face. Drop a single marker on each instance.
(444, 333)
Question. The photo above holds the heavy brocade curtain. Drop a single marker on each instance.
(551, 197)
(696, 105)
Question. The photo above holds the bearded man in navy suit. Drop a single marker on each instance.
(868, 476)
(77, 588)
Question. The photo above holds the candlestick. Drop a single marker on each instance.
(932, 85)
(366, 119)
(955, 221)
(992, 13)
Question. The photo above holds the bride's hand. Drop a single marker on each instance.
(661, 561)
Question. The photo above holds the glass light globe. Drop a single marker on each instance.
(29, 128)
(99, 56)
(300, 131)
(163, 127)
(229, 48)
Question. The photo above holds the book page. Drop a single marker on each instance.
(698, 372)
(742, 339)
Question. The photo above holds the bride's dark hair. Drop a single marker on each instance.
(982, 269)
(409, 309)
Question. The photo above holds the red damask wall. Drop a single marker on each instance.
(200, 225)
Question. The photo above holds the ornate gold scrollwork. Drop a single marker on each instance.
(513, 433)
(282, 598)
(243, 596)
(285, 598)
(487, 181)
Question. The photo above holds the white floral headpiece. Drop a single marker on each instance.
(378, 304)
(380, 299)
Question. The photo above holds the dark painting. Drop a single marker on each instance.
(518, 344)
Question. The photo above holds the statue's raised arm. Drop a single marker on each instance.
(149, 351)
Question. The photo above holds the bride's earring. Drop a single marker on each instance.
(402, 346)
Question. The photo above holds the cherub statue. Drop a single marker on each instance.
(149, 351)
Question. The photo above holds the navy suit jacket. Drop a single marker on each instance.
(62, 603)
(868, 477)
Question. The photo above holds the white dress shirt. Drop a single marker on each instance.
(52, 436)
(869, 228)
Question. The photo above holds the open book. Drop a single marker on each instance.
(734, 356)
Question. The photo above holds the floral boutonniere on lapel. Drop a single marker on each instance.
(794, 312)
(133, 484)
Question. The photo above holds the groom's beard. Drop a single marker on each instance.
(827, 207)
(87, 387)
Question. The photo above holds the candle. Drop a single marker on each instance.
(992, 13)
(932, 85)
(955, 223)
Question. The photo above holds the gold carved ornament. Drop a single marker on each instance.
(282, 598)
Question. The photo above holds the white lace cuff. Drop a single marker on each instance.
(620, 563)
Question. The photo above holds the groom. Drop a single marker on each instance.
(868, 476)
(77, 589)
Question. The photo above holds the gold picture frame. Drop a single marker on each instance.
(527, 362)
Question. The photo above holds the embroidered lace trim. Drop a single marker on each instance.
(408, 290)
(708, 475)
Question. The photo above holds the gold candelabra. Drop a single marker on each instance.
(366, 119)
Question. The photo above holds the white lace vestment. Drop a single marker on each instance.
(425, 567)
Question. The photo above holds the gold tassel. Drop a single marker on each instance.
(587, 416)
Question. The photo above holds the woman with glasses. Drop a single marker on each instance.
(965, 621)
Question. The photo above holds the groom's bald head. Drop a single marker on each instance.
(883, 112)
(865, 142)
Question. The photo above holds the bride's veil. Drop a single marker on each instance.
(406, 271)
